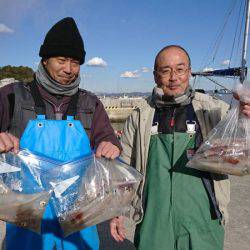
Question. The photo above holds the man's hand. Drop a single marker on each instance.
(245, 107)
(8, 142)
(108, 150)
(117, 229)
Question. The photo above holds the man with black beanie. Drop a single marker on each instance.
(55, 95)
(64, 39)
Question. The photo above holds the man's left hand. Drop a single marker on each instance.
(245, 107)
(108, 150)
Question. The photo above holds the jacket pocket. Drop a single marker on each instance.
(86, 118)
(27, 112)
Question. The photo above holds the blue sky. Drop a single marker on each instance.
(121, 36)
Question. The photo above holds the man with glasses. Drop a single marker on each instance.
(175, 207)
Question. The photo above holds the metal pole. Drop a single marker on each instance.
(244, 51)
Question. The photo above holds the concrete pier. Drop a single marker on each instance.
(118, 109)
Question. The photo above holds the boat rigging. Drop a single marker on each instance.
(231, 72)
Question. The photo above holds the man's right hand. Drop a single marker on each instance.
(117, 229)
(8, 142)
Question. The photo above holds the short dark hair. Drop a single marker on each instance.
(169, 47)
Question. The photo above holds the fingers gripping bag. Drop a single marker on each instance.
(227, 147)
(22, 198)
(91, 190)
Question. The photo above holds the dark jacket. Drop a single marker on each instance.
(17, 108)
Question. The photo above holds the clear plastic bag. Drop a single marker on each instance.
(227, 147)
(22, 198)
(91, 190)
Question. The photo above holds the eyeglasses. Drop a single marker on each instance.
(168, 72)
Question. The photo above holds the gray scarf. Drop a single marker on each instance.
(54, 87)
(163, 101)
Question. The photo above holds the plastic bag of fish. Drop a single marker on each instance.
(91, 190)
(227, 147)
(22, 198)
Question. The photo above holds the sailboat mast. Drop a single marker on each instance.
(244, 51)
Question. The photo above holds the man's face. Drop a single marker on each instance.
(62, 69)
(173, 71)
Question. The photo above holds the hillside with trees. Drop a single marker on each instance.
(21, 73)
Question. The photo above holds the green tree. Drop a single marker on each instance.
(21, 73)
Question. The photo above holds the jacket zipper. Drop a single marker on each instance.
(172, 126)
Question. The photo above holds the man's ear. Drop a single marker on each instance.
(44, 62)
(190, 72)
(156, 76)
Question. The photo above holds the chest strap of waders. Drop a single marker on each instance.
(192, 117)
(40, 108)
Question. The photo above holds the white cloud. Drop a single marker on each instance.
(5, 29)
(226, 62)
(145, 69)
(130, 74)
(97, 62)
(207, 69)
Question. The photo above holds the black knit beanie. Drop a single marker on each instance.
(64, 39)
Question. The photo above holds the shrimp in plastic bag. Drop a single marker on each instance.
(227, 147)
(22, 198)
(91, 190)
